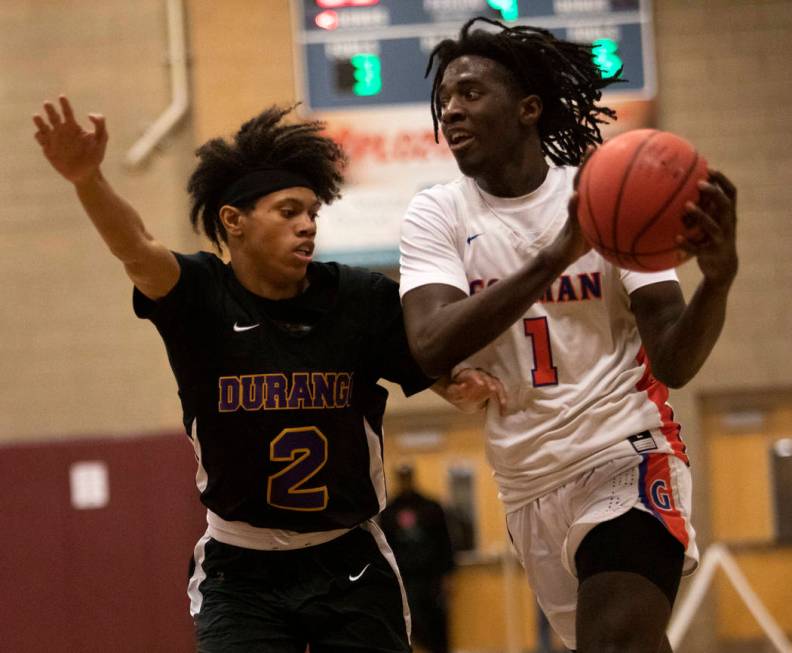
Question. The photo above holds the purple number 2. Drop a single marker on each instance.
(306, 449)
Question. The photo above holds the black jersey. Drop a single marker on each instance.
(281, 397)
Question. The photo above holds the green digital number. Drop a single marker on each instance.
(368, 74)
(508, 8)
(606, 57)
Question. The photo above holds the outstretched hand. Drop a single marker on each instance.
(471, 389)
(715, 215)
(72, 150)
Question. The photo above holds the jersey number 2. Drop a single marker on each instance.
(543, 373)
(306, 449)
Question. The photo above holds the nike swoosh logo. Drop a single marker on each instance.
(248, 327)
(473, 237)
(363, 571)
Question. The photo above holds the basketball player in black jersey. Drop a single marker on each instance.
(277, 359)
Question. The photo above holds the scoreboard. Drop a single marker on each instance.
(360, 69)
(370, 53)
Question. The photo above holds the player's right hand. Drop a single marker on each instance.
(72, 150)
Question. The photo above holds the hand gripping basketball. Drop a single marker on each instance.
(634, 193)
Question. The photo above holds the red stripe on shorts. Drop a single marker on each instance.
(658, 395)
(657, 494)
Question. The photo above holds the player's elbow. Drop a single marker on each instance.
(676, 383)
(429, 357)
(674, 378)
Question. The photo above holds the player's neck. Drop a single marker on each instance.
(265, 283)
(514, 179)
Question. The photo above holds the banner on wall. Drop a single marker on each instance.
(360, 67)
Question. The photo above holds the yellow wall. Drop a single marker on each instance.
(769, 573)
(740, 430)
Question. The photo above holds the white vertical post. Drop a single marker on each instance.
(718, 555)
(511, 573)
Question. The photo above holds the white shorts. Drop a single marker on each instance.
(547, 532)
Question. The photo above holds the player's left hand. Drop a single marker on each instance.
(471, 389)
(715, 216)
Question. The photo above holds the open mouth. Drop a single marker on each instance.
(459, 140)
(305, 251)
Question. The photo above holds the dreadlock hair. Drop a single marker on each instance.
(561, 73)
(262, 142)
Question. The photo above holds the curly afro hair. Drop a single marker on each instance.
(266, 141)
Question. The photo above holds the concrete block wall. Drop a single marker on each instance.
(74, 358)
(725, 83)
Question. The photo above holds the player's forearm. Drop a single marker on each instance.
(459, 329)
(117, 222)
(690, 340)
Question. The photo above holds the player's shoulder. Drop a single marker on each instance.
(362, 279)
(443, 195)
(439, 207)
(366, 292)
(359, 280)
(201, 261)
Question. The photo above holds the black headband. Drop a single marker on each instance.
(261, 182)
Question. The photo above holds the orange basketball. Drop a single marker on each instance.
(633, 191)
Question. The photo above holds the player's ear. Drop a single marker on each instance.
(230, 218)
(530, 110)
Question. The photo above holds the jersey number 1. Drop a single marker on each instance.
(544, 372)
(306, 449)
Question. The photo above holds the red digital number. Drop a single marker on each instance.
(336, 4)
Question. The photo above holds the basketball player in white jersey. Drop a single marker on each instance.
(589, 461)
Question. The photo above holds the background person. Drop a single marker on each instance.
(417, 530)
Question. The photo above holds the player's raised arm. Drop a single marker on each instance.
(679, 337)
(76, 154)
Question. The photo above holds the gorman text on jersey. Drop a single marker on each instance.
(281, 391)
(567, 288)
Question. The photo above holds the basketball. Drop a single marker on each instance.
(633, 190)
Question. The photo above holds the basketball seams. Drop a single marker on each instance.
(628, 181)
(625, 178)
(659, 214)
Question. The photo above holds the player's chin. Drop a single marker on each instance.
(470, 164)
(295, 270)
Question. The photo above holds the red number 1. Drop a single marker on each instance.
(544, 372)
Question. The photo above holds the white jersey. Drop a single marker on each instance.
(580, 392)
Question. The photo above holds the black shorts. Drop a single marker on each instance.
(344, 595)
